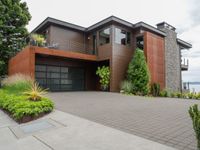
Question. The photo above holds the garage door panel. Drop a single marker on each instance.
(58, 78)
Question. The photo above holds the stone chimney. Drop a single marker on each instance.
(172, 57)
(164, 25)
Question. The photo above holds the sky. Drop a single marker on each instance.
(183, 14)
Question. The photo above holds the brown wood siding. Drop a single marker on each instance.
(63, 53)
(154, 51)
(121, 56)
(105, 52)
(68, 39)
(23, 62)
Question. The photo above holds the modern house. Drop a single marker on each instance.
(73, 53)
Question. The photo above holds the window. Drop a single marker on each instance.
(140, 42)
(104, 36)
(122, 37)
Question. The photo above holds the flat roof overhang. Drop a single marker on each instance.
(51, 21)
(183, 44)
(63, 53)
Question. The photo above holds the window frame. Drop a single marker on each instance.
(126, 36)
(110, 35)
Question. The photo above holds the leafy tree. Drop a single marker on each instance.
(14, 16)
(138, 73)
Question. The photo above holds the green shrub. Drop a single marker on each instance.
(191, 95)
(126, 87)
(198, 96)
(164, 93)
(20, 106)
(155, 89)
(104, 74)
(178, 94)
(138, 73)
(195, 116)
(184, 95)
(173, 94)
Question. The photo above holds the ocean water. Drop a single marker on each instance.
(194, 87)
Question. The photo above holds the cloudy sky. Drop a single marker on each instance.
(183, 14)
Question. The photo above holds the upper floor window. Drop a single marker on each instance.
(140, 42)
(122, 37)
(104, 36)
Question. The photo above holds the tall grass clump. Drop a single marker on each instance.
(126, 87)
(17, 83)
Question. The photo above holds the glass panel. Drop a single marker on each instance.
(78, 84)
(55, 81)
(104, 36)
(128, 38)
(76, 73)
(53, 69)
(40, 74)
(41, 81)
(66, 87)
(64, 75)
(140, 42)
(53, 75)
(55, 87)
(120, 36)
(40, 68)
(66, 81)
(64, 69)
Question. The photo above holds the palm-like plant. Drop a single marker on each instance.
(35, 93)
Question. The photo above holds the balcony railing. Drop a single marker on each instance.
(184, 64)
(68, 45)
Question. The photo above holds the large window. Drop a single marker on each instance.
(104, 36)
(122, 37)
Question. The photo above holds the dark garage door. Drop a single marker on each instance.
(57, 78)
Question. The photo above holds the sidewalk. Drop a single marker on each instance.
(62, 131)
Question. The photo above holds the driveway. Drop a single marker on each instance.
(163, 120)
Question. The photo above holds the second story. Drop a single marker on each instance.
(104, 38)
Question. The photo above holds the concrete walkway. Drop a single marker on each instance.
(62, 131)
(163, 120)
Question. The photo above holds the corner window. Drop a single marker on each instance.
(104, 36)
(140, 42)
(122, 37)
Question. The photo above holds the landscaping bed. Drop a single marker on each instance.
(15, 101)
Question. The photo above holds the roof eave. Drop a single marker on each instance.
(184, 44)
(110, 19)
(149, 27)
(58, 22)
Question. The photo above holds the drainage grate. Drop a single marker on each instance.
(34, 127)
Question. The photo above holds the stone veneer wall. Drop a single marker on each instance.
(172, 61)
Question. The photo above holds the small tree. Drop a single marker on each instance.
(195, 116)
(104, 74)
(138, 73)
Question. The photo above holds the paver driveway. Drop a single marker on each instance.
(162, 120)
